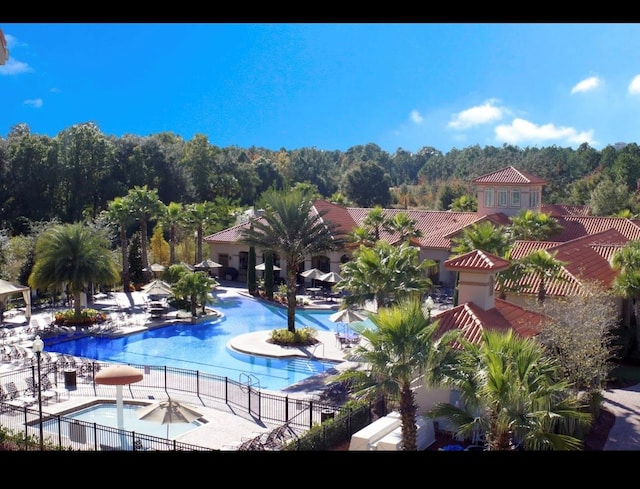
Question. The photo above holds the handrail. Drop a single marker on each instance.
(315, 347)
(252, 380)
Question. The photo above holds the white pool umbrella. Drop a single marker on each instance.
(262, 267)
(312, 273)
(330, 277)
(206, 264)
(346, 316)
(168, 412)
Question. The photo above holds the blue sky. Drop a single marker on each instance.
(330, 86)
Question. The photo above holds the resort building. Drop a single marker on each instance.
(585, 243)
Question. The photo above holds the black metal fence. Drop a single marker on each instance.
(77, 378)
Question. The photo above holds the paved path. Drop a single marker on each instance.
(625, 404)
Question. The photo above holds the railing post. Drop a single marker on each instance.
(286, 408)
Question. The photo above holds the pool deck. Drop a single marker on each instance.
(225, 429)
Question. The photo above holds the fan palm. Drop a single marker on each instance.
(514, 393)
(403, 346)
(74, 255)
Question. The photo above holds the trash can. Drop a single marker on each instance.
(70, 379)
(326, 414)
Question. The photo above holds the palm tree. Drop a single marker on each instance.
(534, 226)
(513, 393)
(544, 266)
(145, 206)
(119, 213)
(401, 223)
(626, 260)
(483, 236)
(384, 274)
(74, 255)
(200, 215)
(172, 217)
(403, 346)
(194, 287)
(487, 237)
(374, 221)
(290, 230)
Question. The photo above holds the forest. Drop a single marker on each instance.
(74, 175)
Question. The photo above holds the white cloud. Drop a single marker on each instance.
(586, 85)
(14, 67)
(480, 114)
(520, 131)
(36, 102)
(415, 117)
(634, 86)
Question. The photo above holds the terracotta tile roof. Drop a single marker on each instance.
(556, 210)
(586, 259)
(525, 247)
(477, 260)
(509, 175)
(336, 214)
(229, 235)
(579, 226)
(472, 320)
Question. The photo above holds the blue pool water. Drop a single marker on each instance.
(203, 346)
(106, 414)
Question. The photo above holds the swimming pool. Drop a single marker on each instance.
(105, 414)
(203, 346)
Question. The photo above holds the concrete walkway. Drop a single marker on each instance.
(625, 404)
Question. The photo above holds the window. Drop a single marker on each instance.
(515, 197)
(534, 199)
(488, 197)
(502, 197)
(243, 258)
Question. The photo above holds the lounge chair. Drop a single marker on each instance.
(14, 397)
(50, 386)
(33, 388)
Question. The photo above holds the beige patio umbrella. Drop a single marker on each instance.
(157, 288)
(154, 267)
(168, 412)
(118, 375)
(262, 267)
(206, 264)
(332, 277)
(346, 316)
(313, 274)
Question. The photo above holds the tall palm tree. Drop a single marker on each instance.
(119, 213)
(199, 216)
(403, 346)
(384, 274)
(145, 206)
(513, 393)
(172, 217)
(74, 255)
(289, 229)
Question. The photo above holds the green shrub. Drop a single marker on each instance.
(301, 337)
(87, 317)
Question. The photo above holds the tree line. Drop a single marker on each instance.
(73, 175)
